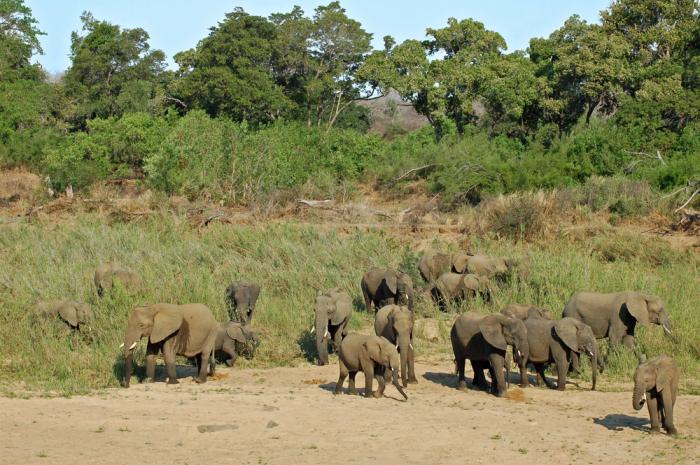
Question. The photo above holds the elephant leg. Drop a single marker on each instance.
(351, 383)
(368, 370)
(479, 380)
(524, 379)
(412, 364)
(562, 370)
(169, 355)
(653, 406)
(381, 384)
(230, 350)
(575, 366)
(628, 341)
(666, 408)
(498, 377)
(151, 352)
(461, 380)
(203, 367)
(341, 378)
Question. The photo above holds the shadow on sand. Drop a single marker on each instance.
(619, 421)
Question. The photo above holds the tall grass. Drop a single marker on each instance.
(180, 264)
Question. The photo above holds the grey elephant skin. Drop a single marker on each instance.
(615, 315)
(74, 314)
(241, 297)
(484, 265)
(657, 380)
(372, 355)
(383, 286)
(524, 311)
(189, 330)
(332, 313)
(555, 342)
(107, 274)
(484, 339)
(234, 339)
(456, 287)
(434, 264)
(395, 324)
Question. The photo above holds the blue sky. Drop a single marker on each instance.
(176, 25)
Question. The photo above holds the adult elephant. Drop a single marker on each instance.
(234, 339)
(555, 342)
(484, 265)
(333, 310)
(395, 324)
(433, 264)
(75, 314)
(372, 355)
(455, 287)
(188, 330)
(241, 297)
(484, 339)
(107, 274)
(384, 286)
(615, 315)
(524, 311)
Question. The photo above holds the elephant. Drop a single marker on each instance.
(383, 286)
(333, 310)
(242, 295)
(233, 338)
(657, 380)
(433, 264)
(615, 315)
(524, 311)
(455, 287)
(395, 324)
(491, 267)
(75, 314)
(189, 330)
(107, 273)
(372, 355)
(555, 341)
(484, 339)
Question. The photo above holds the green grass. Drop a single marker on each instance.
(180, 264)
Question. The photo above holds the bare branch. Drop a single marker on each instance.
(687, 201)
(414, 170)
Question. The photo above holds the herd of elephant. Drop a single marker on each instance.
(536, 339)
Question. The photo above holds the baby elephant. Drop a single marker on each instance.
(107, 274)
(372, 355)
(524, 311)
(75, 314)
(658, 379)
(234, 339)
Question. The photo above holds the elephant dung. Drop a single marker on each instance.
(427, 329)
(215, 428)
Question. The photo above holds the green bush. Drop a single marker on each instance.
(78, 161)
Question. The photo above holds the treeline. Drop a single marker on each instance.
(268, 105)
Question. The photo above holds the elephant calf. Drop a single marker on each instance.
(657, 379)
(372, 355)
(242, 297)
(395, 323)
(332, 311)
(107, 274)
(556, 341)
(234, 339)
(433, 264)
(74, 314)
(455, 287)
(523, 311)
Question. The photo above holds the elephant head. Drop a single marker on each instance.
(156, 322)
(245, 336)
(401, 285)
(646, 309)
(381, 351)
(326, 309)
(653, 374)
(400, 320)
(578, 337)
(501, 331)
(459, 263)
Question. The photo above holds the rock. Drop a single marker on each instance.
(215, 428)
(272, 424)
(428, 329)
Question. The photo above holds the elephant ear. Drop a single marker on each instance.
(165, 323)
(373, 349)
(662, 378)
(69, 314)
(338, 312)
(392, 282)
(637, 307)
(235, 332)
(566, 332)
(492, 330)
(460, 264)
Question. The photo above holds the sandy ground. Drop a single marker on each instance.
(290, 416)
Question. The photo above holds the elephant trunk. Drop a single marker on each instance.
(395, 382)
(130, 341)
(665, 323)
(322, 341)
(404, 347)
(594, 368)
(410, 299)
(638, 397)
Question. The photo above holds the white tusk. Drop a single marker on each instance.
(325, 335)
(411, 346)
(121, 345)
(668, 331)
(133, 345)
(313, 328)
(519, 354)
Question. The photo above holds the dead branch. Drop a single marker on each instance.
(210, 219)
(176, 100)
(414, 170)
(687, 201)
(328, 203)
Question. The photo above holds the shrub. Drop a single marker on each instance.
(520, 217)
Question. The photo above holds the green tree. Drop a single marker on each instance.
(19, 41)
(113, 70)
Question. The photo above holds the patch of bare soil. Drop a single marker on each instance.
(16, 188)
(290, 416)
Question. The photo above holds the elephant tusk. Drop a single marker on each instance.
(411, 346)
(325, 335)
(313, 328)
(121, 345)
(518, 352)
(668, 331)
(133, 345)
